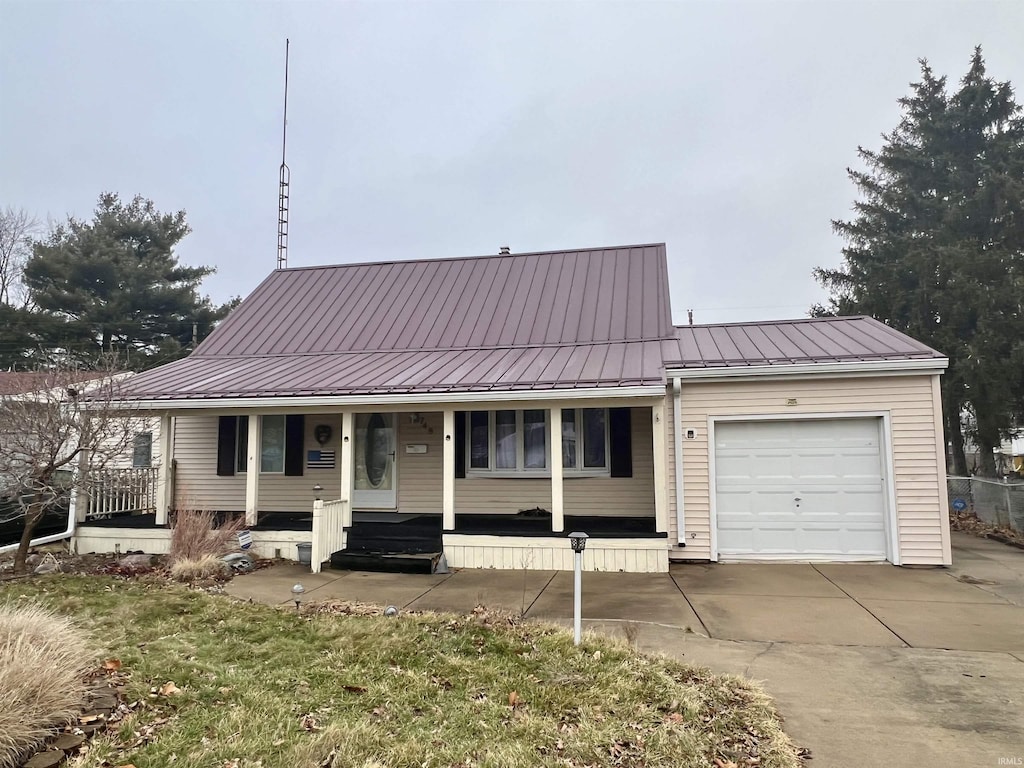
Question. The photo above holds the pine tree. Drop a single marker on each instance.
(936, 246)
(114, 284)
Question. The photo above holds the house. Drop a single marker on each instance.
(485, 407)
(125, 483)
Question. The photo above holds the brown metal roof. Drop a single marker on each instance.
(564, 297)
(789, 342)
(564, 319)
(354, 373)
(537, 321)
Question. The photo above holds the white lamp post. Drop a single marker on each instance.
(579, 543)
(297, 592)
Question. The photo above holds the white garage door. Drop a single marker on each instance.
(808, 489)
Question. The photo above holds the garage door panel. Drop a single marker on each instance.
(800, 489)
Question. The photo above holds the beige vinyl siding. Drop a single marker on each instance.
(612, 496)
(419, 475)
(919, 469)
(197, 483)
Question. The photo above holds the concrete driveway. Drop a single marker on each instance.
(870, 664)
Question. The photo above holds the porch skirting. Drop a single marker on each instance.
(536, 553)
(157, 541)
(554, 553)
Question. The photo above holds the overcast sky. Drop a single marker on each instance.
(450, 129)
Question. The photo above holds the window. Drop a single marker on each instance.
(501, 442)
(272, 446)
(142, 450)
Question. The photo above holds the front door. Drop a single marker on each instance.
(374, 481)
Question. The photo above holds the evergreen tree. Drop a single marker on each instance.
(114, 284)
(936, 246)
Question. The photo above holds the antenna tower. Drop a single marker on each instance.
(285, 177)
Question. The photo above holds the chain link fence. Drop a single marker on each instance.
(996, 502)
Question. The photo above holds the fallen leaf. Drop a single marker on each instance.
(726, 764)
(597, 655)
(112, 665)
(309, 723)
(169, 689)
(354, 688)
(514, 700)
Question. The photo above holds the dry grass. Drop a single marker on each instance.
(43, 660)
(195, 535)
(206, 567)
(258, 686)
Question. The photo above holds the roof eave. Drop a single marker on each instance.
(859, 368)
(418, 399)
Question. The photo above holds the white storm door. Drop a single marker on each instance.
(374, 481)
(801, 489)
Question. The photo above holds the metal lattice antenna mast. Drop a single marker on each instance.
(285, 176)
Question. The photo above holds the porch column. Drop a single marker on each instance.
(252, 469)
(347, 446)
(660, 468)
(557, 507)
(164, 489)
(448, 472)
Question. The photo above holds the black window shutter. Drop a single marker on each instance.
(227, 434)
(460, 443)
(294, 444)
(621, 441)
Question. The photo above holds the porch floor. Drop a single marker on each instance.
(596, 526)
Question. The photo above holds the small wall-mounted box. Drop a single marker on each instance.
(691, 434)
(415, 448)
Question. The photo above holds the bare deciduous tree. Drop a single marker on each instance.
(55, 437)
(17, 227)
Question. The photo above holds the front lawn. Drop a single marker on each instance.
(266, 687)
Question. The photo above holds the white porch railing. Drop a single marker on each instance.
(115, 492)
(330, 519)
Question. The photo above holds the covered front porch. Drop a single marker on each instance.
(492, 484)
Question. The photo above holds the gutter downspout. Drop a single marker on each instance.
(677, 440)
(68, 533)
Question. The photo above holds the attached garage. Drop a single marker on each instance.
(806, 440)
(801, 489)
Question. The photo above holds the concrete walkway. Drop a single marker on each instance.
(870, 664)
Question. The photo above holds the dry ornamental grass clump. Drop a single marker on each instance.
(43, 661)
(195, 534)
(206, 567)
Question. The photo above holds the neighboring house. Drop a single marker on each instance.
(485, 407)
(126, 485)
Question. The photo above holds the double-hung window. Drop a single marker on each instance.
(142, 450)
(272, 444)
(512, 442)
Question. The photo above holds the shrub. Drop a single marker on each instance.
(43, 661)
(195, 534)
(206, 567)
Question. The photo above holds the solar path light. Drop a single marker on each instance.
(579, 543)
(297, 592)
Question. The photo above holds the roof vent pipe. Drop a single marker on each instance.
(689, 315)
(504, 251)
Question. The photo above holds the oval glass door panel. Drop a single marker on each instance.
(377, 450)
(374, 461)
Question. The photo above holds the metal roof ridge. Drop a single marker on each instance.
(748, 323)
(383, 262)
